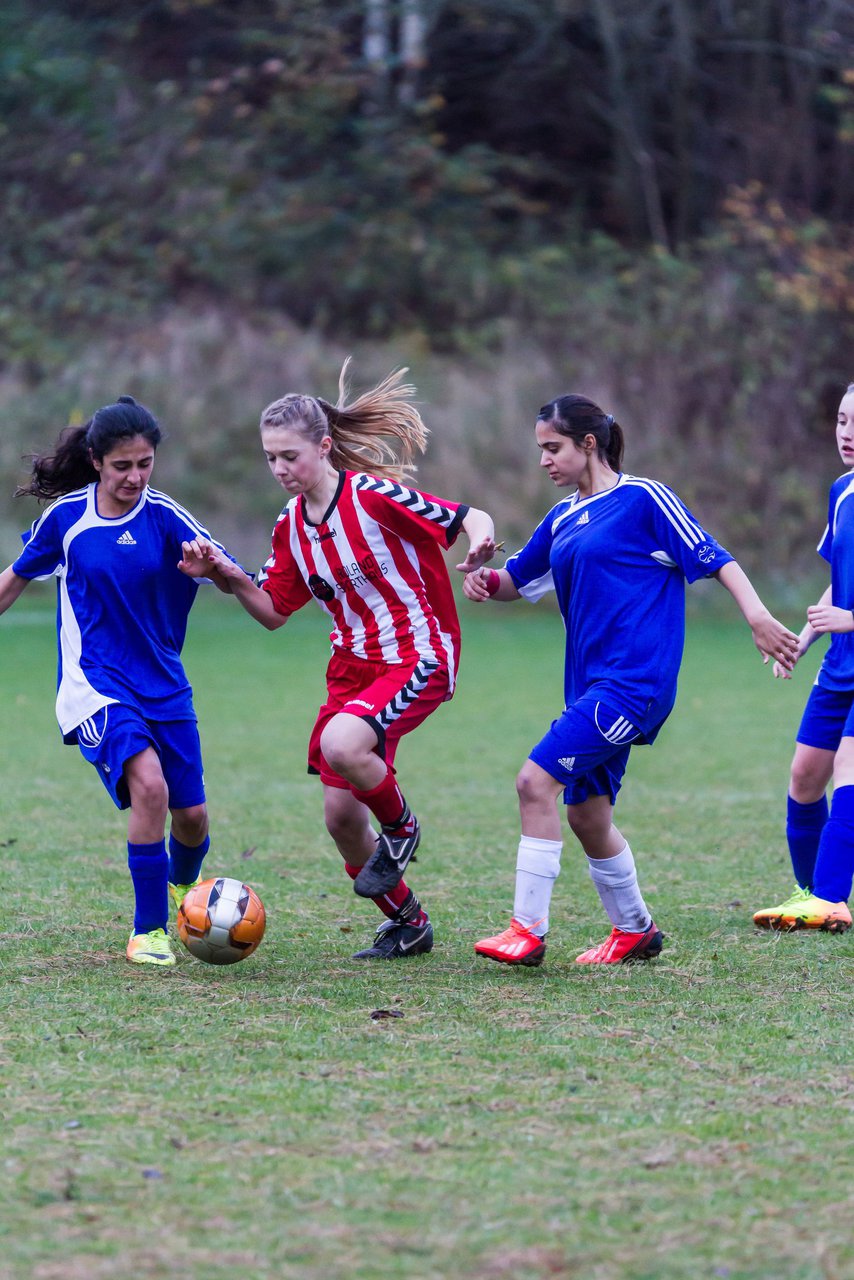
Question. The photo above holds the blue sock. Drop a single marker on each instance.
(834, 866)
(804, 825)
(185, 861)
(148, 871)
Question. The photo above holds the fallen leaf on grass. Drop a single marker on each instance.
(657, 1159)
(378, 1014)
(247, 853)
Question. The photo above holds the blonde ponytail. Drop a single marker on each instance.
(380, 432)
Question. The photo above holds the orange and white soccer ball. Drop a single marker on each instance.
(221, 921)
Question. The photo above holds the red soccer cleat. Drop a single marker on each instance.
(516, 945)
(624, 948)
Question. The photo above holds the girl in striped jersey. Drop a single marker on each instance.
(617, 552)
(113, 544)
(368, 549)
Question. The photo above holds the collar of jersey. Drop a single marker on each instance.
(128, 515)
(342, 476)
(574, 503)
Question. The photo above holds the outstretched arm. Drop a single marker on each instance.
(11, 586)
(481, 535)
(771, 638)
(203, 560)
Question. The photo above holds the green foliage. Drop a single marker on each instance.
(688, 1118)
(252, 154)
(194, 191)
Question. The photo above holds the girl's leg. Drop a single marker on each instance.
(611, 864)
(540, 847)
(189, 842)
(349, 747)
(807, 809)
(834, 867)
(348, 822)
(537, 868)
(147, 858)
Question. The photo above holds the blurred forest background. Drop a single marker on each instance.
(209, 204)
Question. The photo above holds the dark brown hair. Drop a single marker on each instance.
(69, 467)
(577, 417)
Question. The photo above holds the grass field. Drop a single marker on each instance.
(690, 1118)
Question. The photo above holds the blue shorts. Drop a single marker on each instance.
(587, 749)
(115, 733)
(828, 718)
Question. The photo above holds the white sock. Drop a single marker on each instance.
(616, 882)
(537, 868)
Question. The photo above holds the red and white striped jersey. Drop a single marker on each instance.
(374, 564)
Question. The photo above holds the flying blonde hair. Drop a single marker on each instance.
(380, 432)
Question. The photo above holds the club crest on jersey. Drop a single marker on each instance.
(320, 588)
(126, 540)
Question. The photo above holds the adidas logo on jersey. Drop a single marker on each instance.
(126, 540)
(583, 519)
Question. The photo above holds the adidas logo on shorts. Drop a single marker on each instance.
(567, 762)
(126, 540)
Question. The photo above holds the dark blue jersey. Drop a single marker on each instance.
(618, 562)
(837, 546)
(123, 603)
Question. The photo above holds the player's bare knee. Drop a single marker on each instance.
(190, 826)
(149, 795)
(807, 782)
(587, 828)
(337, 750)
(533, 786)
(339, 826)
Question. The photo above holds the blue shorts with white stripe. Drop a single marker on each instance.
(587, 749)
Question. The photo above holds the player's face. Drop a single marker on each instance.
(123, 473)
(845, 429)
(297, 463)
(566, 462)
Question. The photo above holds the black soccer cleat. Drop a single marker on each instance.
(397, 939)
(384, 869)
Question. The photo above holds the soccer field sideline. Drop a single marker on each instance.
(654, 1122)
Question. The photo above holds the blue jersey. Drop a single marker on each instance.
(837, 546)
(123, 604)
(618, 562)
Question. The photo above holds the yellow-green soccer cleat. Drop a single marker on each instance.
(177, 892)
(150, 948)
(803, 910)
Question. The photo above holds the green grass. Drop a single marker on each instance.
(690, 1118)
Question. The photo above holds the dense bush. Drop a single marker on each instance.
(207, 204)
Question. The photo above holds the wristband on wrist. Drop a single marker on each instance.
(492, 583)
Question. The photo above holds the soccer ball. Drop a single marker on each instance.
(221, 921)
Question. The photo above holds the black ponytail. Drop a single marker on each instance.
(577, 417)
(70, 467)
